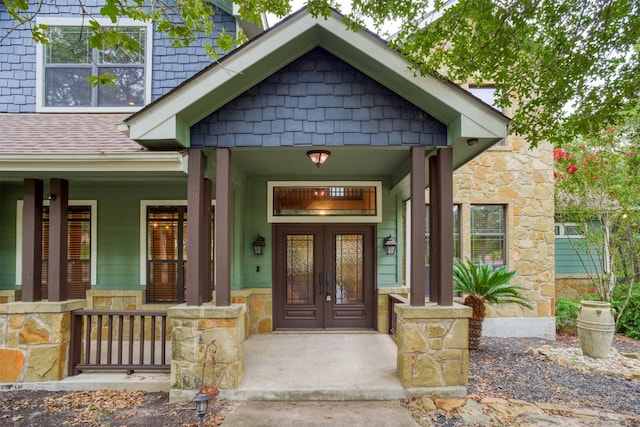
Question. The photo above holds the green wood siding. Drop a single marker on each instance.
(118, 233)
(567, 259)
(9, 194)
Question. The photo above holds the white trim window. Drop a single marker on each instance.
(324, 201)
(82, 245)
(568, 230)
(65, 64)
(163, 249)
(488, 232)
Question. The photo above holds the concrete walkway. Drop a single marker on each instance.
(319, 366)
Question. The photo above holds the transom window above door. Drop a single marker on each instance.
(310, 201)
(66, 63)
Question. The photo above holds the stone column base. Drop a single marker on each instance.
(433, 348)
(34, 340)
(193, 329)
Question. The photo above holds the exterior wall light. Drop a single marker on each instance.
(389, 245)
(318, 157)
(258, 245)
(202, 406)
(472, 142)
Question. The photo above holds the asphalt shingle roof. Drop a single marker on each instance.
(64, 133)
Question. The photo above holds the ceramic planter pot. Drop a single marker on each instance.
(596, 327)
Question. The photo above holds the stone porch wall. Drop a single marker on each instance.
(433, 348)
(34, 340)
(194, 329)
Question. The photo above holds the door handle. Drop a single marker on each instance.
(328, 286)
(320, 283)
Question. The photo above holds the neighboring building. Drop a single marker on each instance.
(231, 144)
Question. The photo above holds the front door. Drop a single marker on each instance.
(324, 276)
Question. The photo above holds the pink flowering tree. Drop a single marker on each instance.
(597, 197)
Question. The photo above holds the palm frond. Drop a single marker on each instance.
(481, 281)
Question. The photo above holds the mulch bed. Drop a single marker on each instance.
(501, 368)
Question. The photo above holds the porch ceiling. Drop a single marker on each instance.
(362, 163)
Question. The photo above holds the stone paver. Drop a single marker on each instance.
(493, 411)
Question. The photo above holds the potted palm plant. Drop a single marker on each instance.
(482, 283)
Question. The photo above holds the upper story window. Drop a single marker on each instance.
(65, 64)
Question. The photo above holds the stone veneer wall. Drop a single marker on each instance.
(383, 306)
(34, 340)
(573, 286)
(10, 296)
(522, 179)
(259, 315)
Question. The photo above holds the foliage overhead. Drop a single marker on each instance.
(570, 66)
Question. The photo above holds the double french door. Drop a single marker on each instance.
(324, 276)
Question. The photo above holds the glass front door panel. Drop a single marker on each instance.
(349, 267)
(299, 269)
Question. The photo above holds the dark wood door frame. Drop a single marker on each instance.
(323, 310)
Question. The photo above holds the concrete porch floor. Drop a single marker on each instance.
(319, 366)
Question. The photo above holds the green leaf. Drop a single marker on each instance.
(108, 79)
(111, 9)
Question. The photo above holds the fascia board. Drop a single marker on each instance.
(66, 162)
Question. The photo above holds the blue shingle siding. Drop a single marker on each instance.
(319, 100)
(171, 66)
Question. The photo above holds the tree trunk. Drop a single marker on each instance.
(475, 322)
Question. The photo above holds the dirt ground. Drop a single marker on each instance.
(101, 408)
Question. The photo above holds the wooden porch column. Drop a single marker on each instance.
(417, 226)
(223, 227)
(58, 235)
(195, 238)
(207, 283)
(441, 227)
(434, 229)
(32, 241)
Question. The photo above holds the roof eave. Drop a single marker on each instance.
(94, 162)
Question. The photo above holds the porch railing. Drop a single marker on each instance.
(393, 300)
(128, 340)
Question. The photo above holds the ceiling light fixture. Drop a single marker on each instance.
(318, 157)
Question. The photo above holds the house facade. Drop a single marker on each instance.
(198, 187)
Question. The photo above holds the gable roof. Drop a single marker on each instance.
(165, 123)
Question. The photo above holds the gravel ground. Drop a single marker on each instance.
(501, 368)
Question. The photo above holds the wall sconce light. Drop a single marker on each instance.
(318, 157)
(389, 245)
(202, 406)
(51, 196)
(258, 245)
(472, 142)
